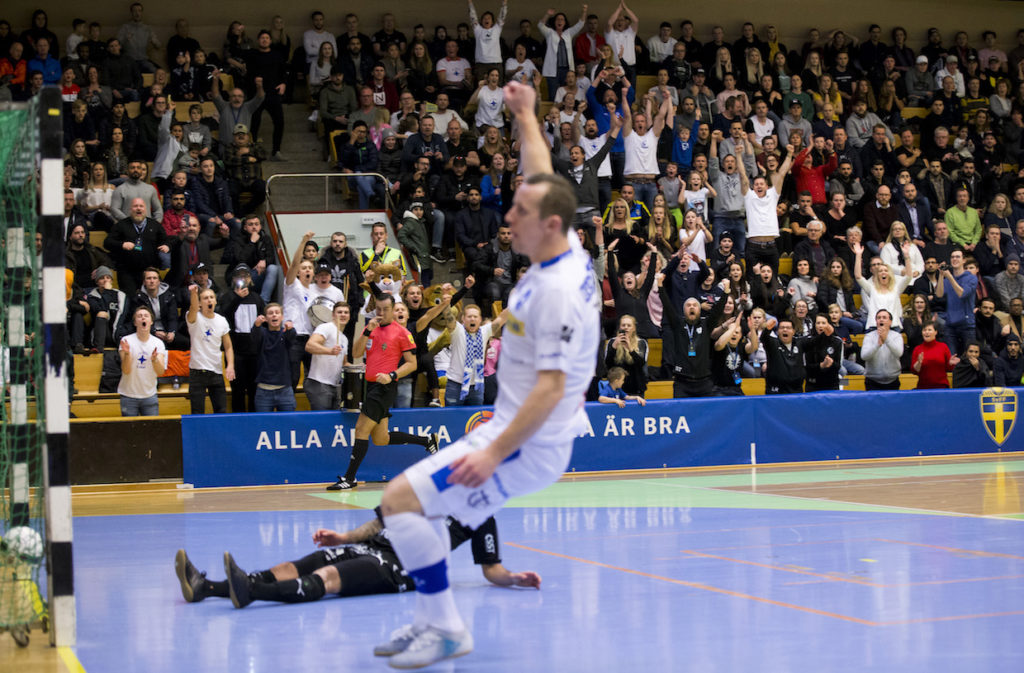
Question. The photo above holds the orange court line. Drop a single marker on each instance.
(924, 620)
(976, 552)
(697, 585)
(829, 577)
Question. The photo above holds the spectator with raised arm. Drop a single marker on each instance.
(760, 203)
(559, 35)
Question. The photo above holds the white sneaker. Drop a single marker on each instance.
(432, 645)
(400, 639)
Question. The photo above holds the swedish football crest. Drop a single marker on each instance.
(998, 412)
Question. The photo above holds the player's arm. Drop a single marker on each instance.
(503, 577)
(359, 347)
(325, 537)
(408, 365)
(475, 468)
(535, 157)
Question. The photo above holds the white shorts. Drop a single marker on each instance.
(530, 468)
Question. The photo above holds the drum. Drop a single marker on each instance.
(352, 386)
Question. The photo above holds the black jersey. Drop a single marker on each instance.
(484, 539)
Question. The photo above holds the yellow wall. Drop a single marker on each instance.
(793, 19)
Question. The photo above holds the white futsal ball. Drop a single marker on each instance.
(24, 542)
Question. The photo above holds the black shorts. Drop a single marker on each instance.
(380, 397)
(363, 570)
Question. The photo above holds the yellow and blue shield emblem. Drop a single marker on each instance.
(999, 413)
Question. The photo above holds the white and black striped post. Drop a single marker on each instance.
(57, 478)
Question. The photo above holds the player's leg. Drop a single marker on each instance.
(195, 586)
(360, 447)
(383, 436)
(422, 544)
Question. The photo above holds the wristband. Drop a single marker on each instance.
(367, 331)
(394, 376)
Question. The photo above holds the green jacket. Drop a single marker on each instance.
(413, 235)
(964, 227)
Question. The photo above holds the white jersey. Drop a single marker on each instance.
(140, 382)
(553, 324)
(297, 300)
(641, 154)
(492, 102)
(592, 146)
(207, 336)
(762, 219)
(328, 369)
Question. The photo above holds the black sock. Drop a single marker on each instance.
(219, 589)
(406, 438)
(302, 590)
(263, 576)
(359, 449)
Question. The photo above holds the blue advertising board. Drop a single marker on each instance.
(311, 447)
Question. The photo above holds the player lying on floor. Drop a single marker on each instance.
(355, 563)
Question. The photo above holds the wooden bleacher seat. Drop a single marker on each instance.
(227, 82)
(181, 110)
(785, 266)
(97, 238)
(132, 109)
(914, 112)
(147, 79)
(644, 83)
(654, 350)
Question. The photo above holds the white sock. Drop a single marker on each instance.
(423, 547)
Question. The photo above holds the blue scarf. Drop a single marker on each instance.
(473, 372)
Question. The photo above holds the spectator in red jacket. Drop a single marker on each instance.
(931, 360)
(812, 178)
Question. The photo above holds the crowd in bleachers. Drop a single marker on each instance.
(844, 207)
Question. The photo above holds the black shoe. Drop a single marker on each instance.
(437, 254)
(238, 582)
(432, 446)
(341, 485)
(193, 582)
(79, 349)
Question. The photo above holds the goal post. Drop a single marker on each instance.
(36, 496)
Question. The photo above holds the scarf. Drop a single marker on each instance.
(473, 372)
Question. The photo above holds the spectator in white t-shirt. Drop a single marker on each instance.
(208, 332)
(487, 32)
(490, 101)
(143, 360)
(315, 36)
(328, 345)
(760, 200)
(465, 386)
(520, 68)
(454, 75)
(623, 25)
(641, 134)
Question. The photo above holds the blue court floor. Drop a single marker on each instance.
(690, 572)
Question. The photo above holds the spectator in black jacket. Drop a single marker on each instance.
(345, 275)
(189, 248)
(453, 189)
(135, 243)
(628, 351)
(630, 299)
(815, 250)
(971, 370)
(241, 305)
(497, 267)
(255, 249)
(267, 66)
(160, 298)
(359, 155)
(823, 352)
(784, 367)
(475, 227)
(213, 200)
(687, 336)
(582, 175)
(1009, 366)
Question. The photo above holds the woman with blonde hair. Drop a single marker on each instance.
(661, 233)
(95, 199)
(771, 38)
(893, 255)
(883, 290)
(1001, 212)
(629, 351)
(321, 67)
(619, 227)
(419, 79)
(813, 71)
(721, 67)
(753, 70)
(694, 236)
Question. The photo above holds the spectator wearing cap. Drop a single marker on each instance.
(244, 159)
(135, 243)
(412, 233)
(1009, 283)
(236, 110)
(109, 310)
(794, 121)
(920, 82)
(241, 305)
(359, 155)
(253, 247)
(952, 69)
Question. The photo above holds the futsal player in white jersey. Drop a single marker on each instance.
(547, 360)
